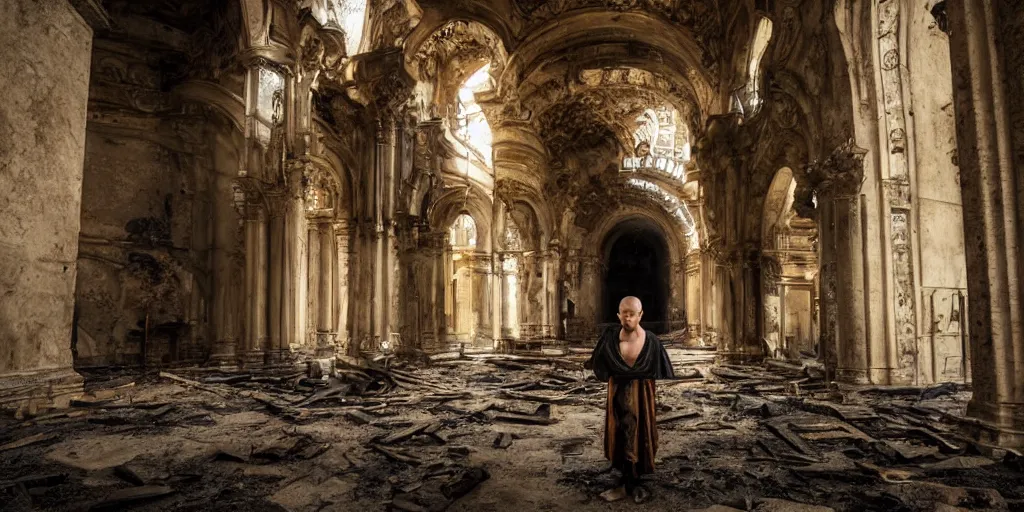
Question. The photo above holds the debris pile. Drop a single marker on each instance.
(490, 431)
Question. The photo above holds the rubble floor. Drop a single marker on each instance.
(494, 432)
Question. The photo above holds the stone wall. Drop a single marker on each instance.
(45, 77)
(135, 282)
(939, 206)
(144, 283)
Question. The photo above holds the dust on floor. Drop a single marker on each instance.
(495, 433)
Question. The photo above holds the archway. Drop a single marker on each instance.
(636, 262)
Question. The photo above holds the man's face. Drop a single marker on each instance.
(629, 317)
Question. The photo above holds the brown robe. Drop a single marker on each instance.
(630, 435)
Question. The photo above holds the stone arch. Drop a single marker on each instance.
(788, 271)
(331, 171)
(630, 234)
(650, 40)
(454, 202)
(778, 201)
(653, 214)
(435, 19)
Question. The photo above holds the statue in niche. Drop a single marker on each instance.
(274, 157)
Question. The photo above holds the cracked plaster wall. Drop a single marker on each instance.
(44, 78)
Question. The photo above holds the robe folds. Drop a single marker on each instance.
(630, 435)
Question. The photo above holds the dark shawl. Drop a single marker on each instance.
(607, 362)
(630, 434)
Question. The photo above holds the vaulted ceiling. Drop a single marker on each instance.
(580, 70)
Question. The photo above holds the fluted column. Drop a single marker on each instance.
(256, 282)
(986, 50)
(291, 329)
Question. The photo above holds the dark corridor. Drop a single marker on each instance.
(636, 263)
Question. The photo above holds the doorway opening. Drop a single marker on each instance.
(635, 261)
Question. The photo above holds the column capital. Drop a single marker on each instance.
(840, 174)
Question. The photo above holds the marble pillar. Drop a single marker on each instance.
(987, 55)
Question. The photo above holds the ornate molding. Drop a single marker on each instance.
(841, 174)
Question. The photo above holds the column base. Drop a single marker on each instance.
(224, 353)
(1000, 424)
(277, 356)
(852, 376)
(253, 358)
(326, 344)
(40, 389)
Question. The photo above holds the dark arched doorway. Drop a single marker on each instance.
(635, 259)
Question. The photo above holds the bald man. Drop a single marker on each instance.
(630, 359)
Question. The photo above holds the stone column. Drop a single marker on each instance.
(45, 79)
(326, 335)
(829, 310)
(725, 294)
(382, 165)
(771, 275)
(553, 292)
(838, 180)
(276, 268)
(341, 281)
(694, 299)
(589, 308)
(711, 295)
(256, 282)
(509, 297)
(852, 343)
(311, 280)
(225, 305)
(986, 52)
(291, 329)
(442, 274)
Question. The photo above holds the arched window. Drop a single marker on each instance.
(462, 233)
(269, 109)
